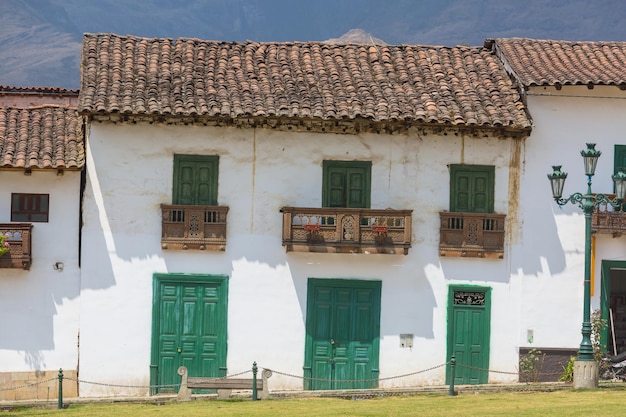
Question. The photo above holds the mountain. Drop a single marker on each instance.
(40, 39)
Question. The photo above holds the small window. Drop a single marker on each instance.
(29, 207)
(471, 188)
(195, 180)
(346, 184)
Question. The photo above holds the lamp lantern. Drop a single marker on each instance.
(590, 156)
(557, 181)
(619, 179)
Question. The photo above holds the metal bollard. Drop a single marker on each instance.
(254, 390)
(452, 376)
(60, 404)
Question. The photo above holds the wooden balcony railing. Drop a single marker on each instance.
(605, 219)
(193, 227)
(471, 234)
(346, 230)
(20, 243)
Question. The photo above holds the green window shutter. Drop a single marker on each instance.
(195, 180)
(620, 158)
(346, 184)
(471, 188)
(336, 188)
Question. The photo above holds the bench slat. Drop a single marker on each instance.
(225, 383)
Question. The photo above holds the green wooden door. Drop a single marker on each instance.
(346, 184)
(343, 327)
(195, 180)
(189, 328)
(471, 188)
(469, 333)
(606, 337)
(605, 305)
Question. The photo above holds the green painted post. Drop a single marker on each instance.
(60, 404)
(452, 376)
(254, 371)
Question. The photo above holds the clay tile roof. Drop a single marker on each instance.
(552, 63)
(36, 90)
(42, 137)
(460, 86)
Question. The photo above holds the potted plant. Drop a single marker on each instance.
(4, 244)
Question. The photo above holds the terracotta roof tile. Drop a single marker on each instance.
(44, 137)
(460, 86)
(37, 90)
(552, 63)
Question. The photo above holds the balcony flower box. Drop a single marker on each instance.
(477, 235)
(346, 230)
(18, 236)
(187, 227)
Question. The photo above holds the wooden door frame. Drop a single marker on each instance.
(336, 283)
(158, 279)
(450, 325)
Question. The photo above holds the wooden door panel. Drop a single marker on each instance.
(350, 319)
(323, 375)
(337, 190)
(480, 194)
(191, 329)
(356, 189)
(186, 184)
(469, 343)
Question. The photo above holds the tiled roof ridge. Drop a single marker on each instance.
(557, 41)
(37, 90)
(251, 42)
(40, 106)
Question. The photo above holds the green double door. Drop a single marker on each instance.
(189, 328)
(342, 334)
(469, 318)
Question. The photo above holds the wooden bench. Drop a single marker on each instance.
(224, 386)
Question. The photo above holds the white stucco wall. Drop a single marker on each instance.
(550, 263)
(130, 175)
(39, 312)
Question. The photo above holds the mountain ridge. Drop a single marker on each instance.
(40, 39)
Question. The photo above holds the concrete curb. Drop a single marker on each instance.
(277, 395)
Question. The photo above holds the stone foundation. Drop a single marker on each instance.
(37, 385)
(550, 365)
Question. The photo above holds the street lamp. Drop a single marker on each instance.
(588, 203)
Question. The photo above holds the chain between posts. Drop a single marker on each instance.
(359, 380)
(254, 371)
(28, 385)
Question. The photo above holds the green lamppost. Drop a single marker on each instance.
(585, 368)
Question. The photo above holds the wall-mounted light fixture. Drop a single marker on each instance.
(28, 172)
(58, 266)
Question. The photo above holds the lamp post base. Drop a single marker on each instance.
(586, 374)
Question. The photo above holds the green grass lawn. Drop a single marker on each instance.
(589, 403)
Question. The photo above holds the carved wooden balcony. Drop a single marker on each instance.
(20, 243)
(471, 235)
(605, 219)
(346, 230)
(193, 227)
